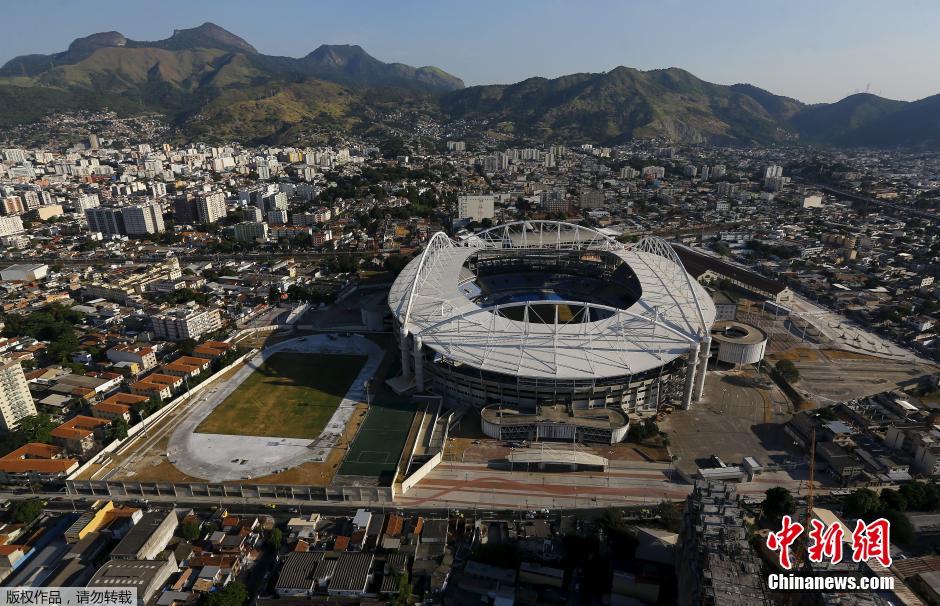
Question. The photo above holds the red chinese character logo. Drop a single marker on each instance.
(790, 531)
(872, 541)
(825, 542)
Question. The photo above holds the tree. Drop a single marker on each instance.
(189, 530)
(902, 530)
(118, 430)
(893, 499)
(37, 428)
(403, 596)
(921, 496)
(639, 432)
(612, 520)
(864, 504)
(186, 346)
(234, 594)
(787, 370)
(395, 263)
(275, 538)
(152, 405)
(778, 502)
(670, 514)
(24, 512)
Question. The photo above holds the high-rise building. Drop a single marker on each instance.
(773, 171)
(143, 219)
(554, 201)
(475, 207)
(275, 201)
(495, 162)
(628, 172)
(253, 213)
(86, 201)
(211, 207)
(30, 199)
(157, 189)
(715, 563)
(105, 220)
(135, 220)
(16, 403)
(10, 226)
(184, 210)
(277, 217)
(250, 231)
(592, 199)
(12, 205)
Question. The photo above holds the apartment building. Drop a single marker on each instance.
(211, 207)
(135, 220)
(156, 384)
(475, 208)
(123, 288)
(16, 403)
(144, 357)
(144, 219)
(10, 226)
(186, 323)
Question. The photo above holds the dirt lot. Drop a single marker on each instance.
(828, 376)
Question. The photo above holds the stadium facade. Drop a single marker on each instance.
(544, 313)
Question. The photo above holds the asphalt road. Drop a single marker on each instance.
(60, 502)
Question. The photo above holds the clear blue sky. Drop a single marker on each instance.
(814, 50)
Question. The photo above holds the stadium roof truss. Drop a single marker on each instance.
(671, 316)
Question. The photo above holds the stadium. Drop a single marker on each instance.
(535, 315)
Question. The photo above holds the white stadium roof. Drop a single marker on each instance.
(672, 313)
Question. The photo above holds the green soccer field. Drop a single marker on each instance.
(378, 445)
(291, 395)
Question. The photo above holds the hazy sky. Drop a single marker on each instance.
(814, 50)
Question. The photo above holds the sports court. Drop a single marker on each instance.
(379, 443)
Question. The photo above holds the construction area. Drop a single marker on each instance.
(176, 449)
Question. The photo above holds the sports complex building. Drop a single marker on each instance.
(537, 315)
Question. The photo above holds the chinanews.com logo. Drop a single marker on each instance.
(869, 541)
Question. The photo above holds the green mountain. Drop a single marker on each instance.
(913, 124)
(212, 83)
(198, 72)
(842, 121)
(625, 103)
(349, 64)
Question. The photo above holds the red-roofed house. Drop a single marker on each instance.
(78, 433)
(36, 461)
(117, 406)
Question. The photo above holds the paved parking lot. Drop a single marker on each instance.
(738, 417)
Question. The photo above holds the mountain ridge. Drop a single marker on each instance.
(193, 74)
(358, 69)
